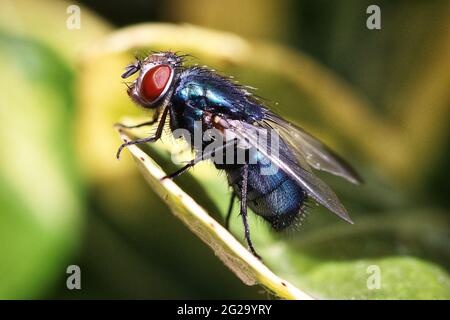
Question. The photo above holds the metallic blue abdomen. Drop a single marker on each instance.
(276, 197)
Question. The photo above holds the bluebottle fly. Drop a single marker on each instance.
(187, 96)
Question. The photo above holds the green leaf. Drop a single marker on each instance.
(400, 278)
(40, 220)
(41, 191)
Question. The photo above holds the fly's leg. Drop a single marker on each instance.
(147, 123)
(244, 211)
(193, 162)
(182, 170)
(157, 135)
(230, 209)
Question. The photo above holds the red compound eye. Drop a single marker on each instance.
(155, 81)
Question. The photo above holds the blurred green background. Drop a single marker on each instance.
(379, 97)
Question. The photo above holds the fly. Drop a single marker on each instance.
(189, 96)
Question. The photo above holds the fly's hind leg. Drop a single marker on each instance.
(244, 211)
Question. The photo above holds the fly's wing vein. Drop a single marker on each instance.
(315, 187)
(314, 152)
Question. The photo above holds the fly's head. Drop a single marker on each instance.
(157, 73)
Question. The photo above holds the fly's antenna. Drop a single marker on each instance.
(132, 69)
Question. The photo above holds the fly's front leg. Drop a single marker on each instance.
(157, 135)
(147, 123)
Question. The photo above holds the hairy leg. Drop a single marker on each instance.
(143, 124)
(244, 211)
(157, 135)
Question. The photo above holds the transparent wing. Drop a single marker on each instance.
(314, 152)
(281, 157)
